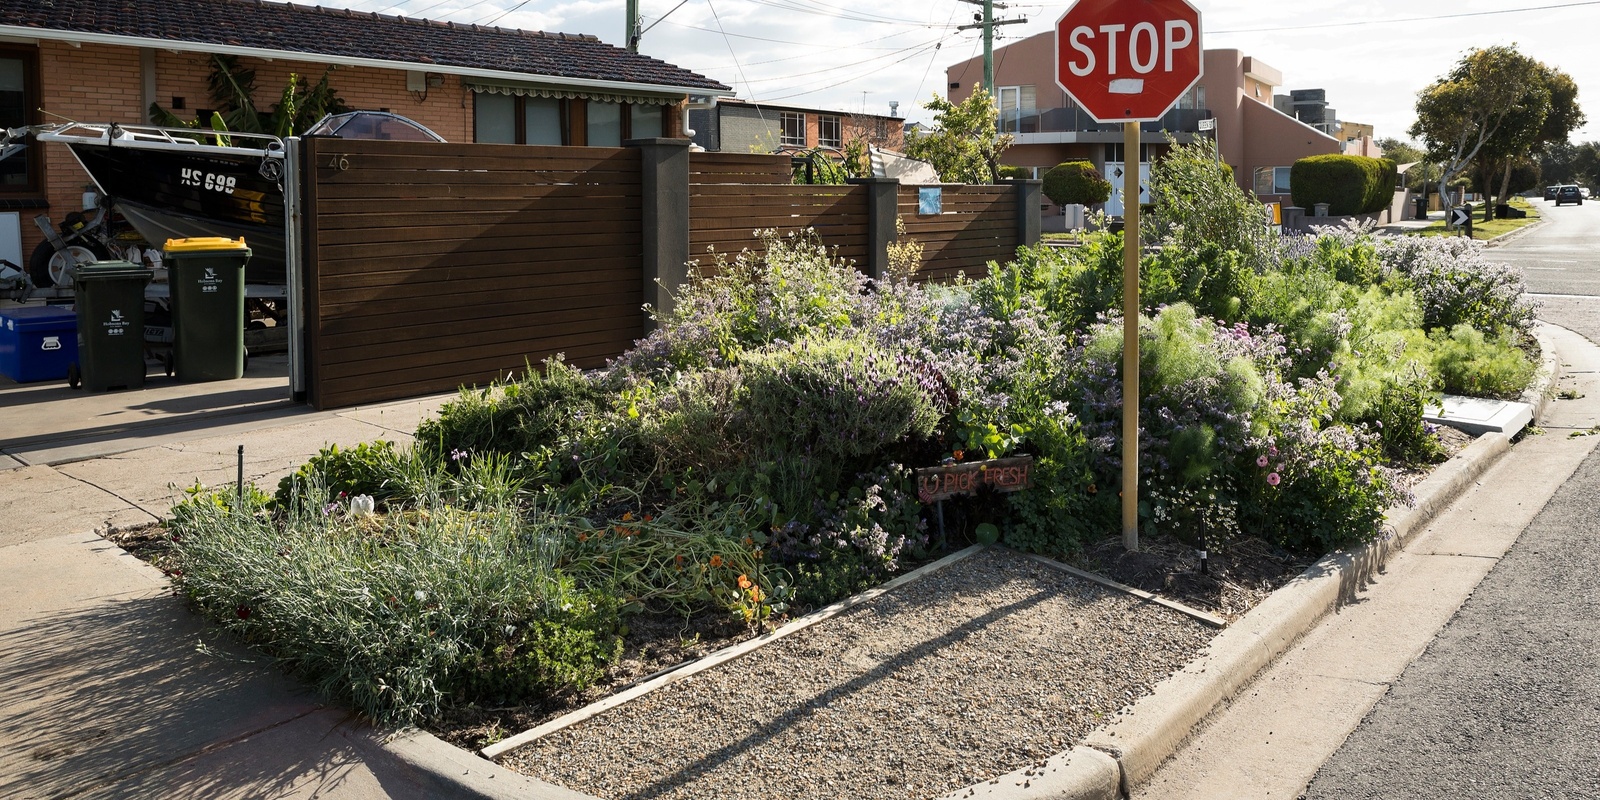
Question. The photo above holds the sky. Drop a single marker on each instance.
(1371, 57)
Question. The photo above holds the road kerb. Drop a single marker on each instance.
(1081, 773)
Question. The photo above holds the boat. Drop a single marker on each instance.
(175, 183)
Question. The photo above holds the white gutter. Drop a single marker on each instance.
(345, 61)
(709, 104)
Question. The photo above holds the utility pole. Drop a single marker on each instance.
(632, 28)
(987, 22)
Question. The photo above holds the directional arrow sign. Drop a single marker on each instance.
(1460, 216)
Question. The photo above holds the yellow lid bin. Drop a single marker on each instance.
(204, 244)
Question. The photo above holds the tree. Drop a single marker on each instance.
(1076, 183)
(965, 143)
(1403, 152)
(1546, 114)
(233, 88)
(1460, 113)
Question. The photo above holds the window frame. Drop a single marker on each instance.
(837, 140)
(1270, 175)
(29, 56)
(784, 120)
(519, 120)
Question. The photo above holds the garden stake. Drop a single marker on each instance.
(939, 506)
(239, 483)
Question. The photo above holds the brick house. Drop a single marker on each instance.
(737, 126)
(109, 60)
(1258, 140)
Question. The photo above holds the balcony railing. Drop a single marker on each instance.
(1076, 120)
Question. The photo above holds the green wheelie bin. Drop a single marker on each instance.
(109, 301)
(206, 276)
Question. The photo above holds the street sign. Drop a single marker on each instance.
(1208, 124)
(1461, 215)
(1128, 61)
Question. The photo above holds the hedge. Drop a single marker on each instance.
(1348, 184)
(1076, 182)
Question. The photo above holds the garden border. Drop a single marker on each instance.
(1147, 735)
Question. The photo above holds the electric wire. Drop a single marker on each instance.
(840, 83)
(836, 68)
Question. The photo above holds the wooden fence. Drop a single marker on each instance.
(426, 267)
(976, 225)
(432, 266)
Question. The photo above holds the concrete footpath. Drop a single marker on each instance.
(110, 688)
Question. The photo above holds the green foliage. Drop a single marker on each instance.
(1066, 509)
(1405, 438)
(1198, 206)
(1333, 496)
(1470, 363)
(964, 144)
(1012, 172)
(1348, 184)
(1216, 283)
(398, 614)
(369, 468)
(233, 88)
(820, 166)
(1076, 182)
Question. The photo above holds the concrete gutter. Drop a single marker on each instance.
(1155, 728)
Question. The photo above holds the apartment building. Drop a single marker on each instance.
(1258, 140)
(740, 126)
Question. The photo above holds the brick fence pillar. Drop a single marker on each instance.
(664, 167)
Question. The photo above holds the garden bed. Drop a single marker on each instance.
(975, 670)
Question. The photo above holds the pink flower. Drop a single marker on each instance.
(1261, 461)
(1273, 479)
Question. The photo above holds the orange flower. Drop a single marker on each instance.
(678, 558)
(744, 582)
(647, 518)
(959, 454)
(627, 515)
(716, 561)
(583, 537)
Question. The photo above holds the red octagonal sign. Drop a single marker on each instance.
(1128, 60)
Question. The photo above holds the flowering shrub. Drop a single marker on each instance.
(1456, 285)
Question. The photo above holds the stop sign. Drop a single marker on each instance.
(1128, 60)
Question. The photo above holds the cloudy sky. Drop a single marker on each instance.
(1372, 57)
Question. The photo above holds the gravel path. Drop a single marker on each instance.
(971, 672)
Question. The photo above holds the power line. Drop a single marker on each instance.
(856, 46)
(843, 82)
(916, 47)
(1407, 19)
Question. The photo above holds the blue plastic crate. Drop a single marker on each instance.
(37, 343)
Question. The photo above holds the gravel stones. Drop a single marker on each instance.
(975, 670)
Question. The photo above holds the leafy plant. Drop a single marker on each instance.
(1076, 182)
(233, 88)
(964, 144)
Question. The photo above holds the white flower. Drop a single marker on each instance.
(362, 505)
(420, 595)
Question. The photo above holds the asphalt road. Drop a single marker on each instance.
(1562, 262)
(1505, 702)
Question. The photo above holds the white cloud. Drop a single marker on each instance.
(852, 56)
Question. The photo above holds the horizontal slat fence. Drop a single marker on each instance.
(978, 225)
(724, 217)
(433, 266)
(739, 168)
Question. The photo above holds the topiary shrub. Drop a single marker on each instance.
(1348, 184)
(1015, 173)
(1076, 183)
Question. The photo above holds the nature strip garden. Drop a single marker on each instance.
(755, 457)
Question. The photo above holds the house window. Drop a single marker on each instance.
(1015, 104)
(1272, 180)
(794, 129)
(646, 121)
(514, 119)
(19, 95)
(829, 132)
(1114, 152)
(605, 124)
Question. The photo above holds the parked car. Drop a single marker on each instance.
(1550, 192)
(1569, 194)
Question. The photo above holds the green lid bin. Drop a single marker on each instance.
(109, 300)
(206, 276)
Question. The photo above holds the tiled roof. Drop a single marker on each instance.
(320, 31)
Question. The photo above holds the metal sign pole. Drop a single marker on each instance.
(1130, 336)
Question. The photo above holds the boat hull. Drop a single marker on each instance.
(167, 194)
